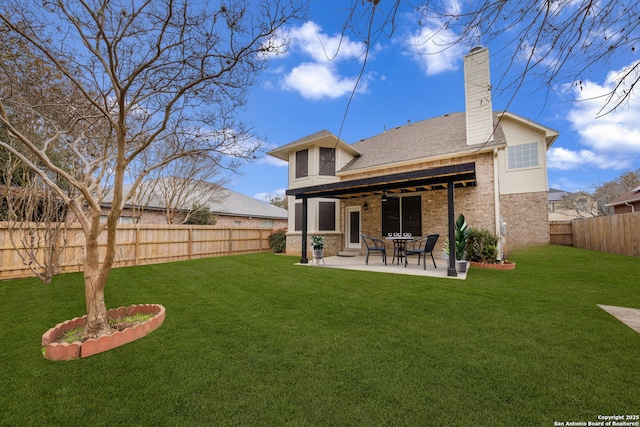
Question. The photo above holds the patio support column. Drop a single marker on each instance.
(452, 230)
(305, 205)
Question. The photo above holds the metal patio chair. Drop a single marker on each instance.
(374, 244)
(422, 247)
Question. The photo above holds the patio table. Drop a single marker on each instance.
(400, 247)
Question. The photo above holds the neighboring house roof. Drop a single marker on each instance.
(556, 195)
(440, 136)
(237, 204)
(225, 202)
(632, 196)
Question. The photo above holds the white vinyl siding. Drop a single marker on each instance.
(522, 179)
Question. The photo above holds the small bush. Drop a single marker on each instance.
(278, 241)
(482, 246)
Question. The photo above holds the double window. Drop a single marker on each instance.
(402, 215)
(326, 216)
(326, 162)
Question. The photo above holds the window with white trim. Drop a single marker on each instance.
(327, 161)
(326, 216)
(522, 156)
(302, 164)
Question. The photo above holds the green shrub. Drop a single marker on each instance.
(278, 241)
(482, 246)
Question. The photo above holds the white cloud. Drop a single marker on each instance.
(318, 81)
(320, 75)
(564, 159)
(435, 46)
(266, 197)
(321, 47)
(611, 140)
(435, 49)
(271, 161)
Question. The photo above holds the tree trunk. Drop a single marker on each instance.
(94, 284)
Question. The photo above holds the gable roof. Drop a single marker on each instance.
(436, 137)
(631, 196)
(300, 144)
(550, 134)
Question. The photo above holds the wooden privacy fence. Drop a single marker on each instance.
(561, 233)
(139, 245)
(618, 234)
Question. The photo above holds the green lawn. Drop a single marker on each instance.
(256, 340)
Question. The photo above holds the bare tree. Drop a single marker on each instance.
(581, 204)
(605, 193)
(274, 199)
(35, 219)
(183, 188)
(548, 42)
(138, 74)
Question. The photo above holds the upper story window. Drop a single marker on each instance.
(523, 156)
(302, 164)
(327, 161)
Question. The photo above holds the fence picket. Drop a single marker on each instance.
(618, 234)
(143, 244)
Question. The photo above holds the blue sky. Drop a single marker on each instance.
(308, 89)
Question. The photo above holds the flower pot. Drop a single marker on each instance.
(318, 254)
(461, 266)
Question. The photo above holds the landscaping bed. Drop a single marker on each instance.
(126, 332)
(506, 265)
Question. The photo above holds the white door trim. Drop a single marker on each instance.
(348, 210)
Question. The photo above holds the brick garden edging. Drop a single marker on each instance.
(77, 349)
(494, 265)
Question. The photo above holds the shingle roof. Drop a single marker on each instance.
(225, 202)
(233, 203)
(629, 196)
(283, 151)
(434, 137)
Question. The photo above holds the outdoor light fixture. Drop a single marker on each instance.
(365, 206)
(384, 197)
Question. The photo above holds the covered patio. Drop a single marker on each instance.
(376, 265)
(437, 178)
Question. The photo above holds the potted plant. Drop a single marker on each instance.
(317, 244)
(461, 236)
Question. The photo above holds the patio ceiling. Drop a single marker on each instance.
(461, 175)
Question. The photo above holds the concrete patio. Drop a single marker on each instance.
(376, 265)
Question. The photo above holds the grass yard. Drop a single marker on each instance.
(255, 340)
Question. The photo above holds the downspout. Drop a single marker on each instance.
(633, 207)
(496, 202)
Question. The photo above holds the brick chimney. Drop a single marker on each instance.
(477, 89)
